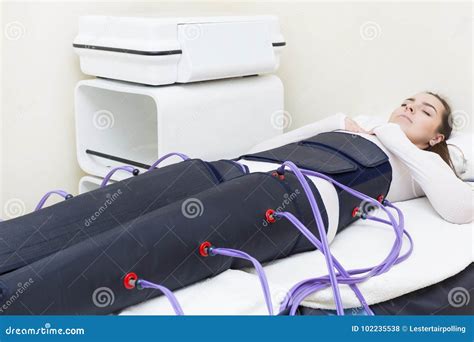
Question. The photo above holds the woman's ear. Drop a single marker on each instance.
(437, 139)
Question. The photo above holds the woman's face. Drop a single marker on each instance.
(419, 117)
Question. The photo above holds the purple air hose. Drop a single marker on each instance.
(126, 168)
(258, 267)
(166, 156)
(185, 157)
(135, 171)
(307, 233)
(304, 288)
(301, 290)
(144, 284)
(43, 200)
(399, 227)
(313, 285)
(304, 292)
(322, 233)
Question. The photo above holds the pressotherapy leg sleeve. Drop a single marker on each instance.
(162, 246)
(31, 237)
(161, 243)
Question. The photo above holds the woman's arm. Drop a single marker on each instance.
(449, 195)
(331, 123)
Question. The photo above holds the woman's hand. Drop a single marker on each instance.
(353, 126)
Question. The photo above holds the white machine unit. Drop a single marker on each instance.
(208, 120)
(158, 51)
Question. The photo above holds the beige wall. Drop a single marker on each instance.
(352, 57)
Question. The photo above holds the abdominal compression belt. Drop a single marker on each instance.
(57, 260)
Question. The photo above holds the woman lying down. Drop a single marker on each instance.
(157, 225)
(414, 139)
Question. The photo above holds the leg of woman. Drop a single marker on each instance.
(31, 237)
(163, 246)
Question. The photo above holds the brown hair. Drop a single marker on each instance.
(444, 128)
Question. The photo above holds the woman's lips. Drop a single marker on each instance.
(406, 117)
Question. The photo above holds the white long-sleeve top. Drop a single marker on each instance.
(415, 172)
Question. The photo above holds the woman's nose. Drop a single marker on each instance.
(409, 108)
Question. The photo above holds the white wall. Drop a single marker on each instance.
(329, 65)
